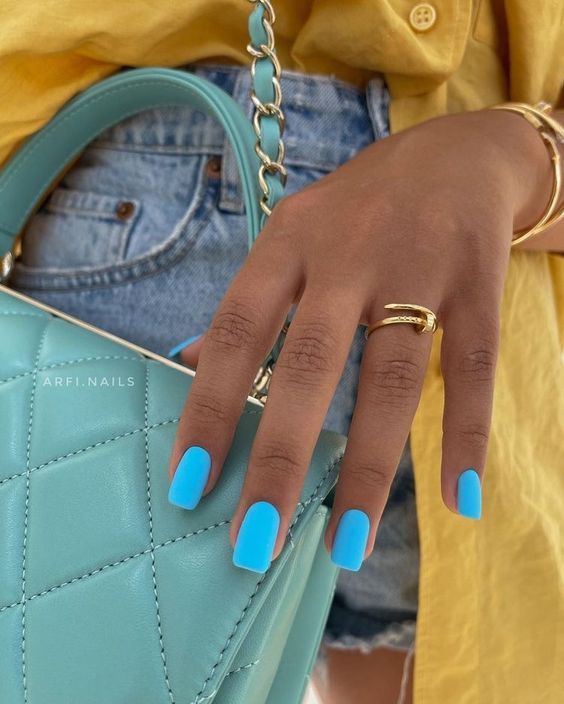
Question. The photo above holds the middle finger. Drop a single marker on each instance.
(305, 377)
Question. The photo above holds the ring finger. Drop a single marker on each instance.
(391, 376)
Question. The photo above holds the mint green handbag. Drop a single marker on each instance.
(108, 594)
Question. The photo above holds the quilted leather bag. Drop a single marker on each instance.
(108, 594)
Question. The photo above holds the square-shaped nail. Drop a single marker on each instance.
(469, 494)
(351, 536)
(190, 478)
(257, 537)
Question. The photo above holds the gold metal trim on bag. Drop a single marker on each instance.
(8, 260)
(108, 336)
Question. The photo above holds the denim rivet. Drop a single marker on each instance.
(214, 166)
(124, 209)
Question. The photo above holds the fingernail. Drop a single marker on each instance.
(257, 537)
(349, 544)
(190, 478)
(176, 350)
(469, 494)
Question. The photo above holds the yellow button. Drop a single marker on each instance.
(422, 17)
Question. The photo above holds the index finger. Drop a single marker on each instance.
(240, 336)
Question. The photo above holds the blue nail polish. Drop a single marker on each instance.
(257, 537)
(469, 494)
(178, 349)
(349, 544)
(190, 478)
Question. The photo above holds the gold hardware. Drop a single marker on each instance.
(428, 323)
(214, 166)
(538, 116)
(108, 335)
(6, 266)
(264, 374)
(125, 209)
(272, 109)
(8, 260)
(262, 382)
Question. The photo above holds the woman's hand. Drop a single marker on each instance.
(423, 217)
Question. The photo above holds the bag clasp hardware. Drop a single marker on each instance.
(261, 383)
(8, 260)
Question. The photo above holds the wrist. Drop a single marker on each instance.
(530, 161)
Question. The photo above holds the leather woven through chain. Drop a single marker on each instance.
(267, 99)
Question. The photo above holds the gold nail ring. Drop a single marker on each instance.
(426, 321)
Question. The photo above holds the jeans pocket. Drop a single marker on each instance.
(116, 216)
(79, 230)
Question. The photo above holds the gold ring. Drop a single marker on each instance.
(426, 323)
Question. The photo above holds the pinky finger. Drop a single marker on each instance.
(468, 359)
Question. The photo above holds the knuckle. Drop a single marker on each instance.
(278, 463)
(474, 435)
(294, 213)
(370, 476)
(206, 409)
(308, 353)
(394, 381)
(293, 206)
(478, 364)
(235, 325)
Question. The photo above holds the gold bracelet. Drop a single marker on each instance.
(551, 132)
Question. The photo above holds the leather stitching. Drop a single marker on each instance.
(90, 447)
(146, 427)
(241, 618)
(27, 492)
(231, 636)
(200, 700)
(70, 362)
(243, 667)
(104, 442)
(122, 561)
(151, 538)
(17, 312)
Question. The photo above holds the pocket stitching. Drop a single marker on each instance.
(66, 200)
(154, 260)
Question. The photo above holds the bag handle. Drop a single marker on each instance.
(28, 175)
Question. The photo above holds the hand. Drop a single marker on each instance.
(425, 217)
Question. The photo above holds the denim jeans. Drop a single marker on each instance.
(142, 237)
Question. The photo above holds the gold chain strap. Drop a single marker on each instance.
(271, 158)
(270, 163)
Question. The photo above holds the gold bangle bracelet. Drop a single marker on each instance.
(538, 115)
(551, 132)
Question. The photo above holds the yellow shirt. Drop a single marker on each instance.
(491, 612)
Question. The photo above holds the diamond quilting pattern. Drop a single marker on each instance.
(112, 608)
(86, 440)
(15, 396)
(164, 392)
(95, 401)
(10, 666)
(102, 518)
(67, 343)
(17, 359)
(95, 562)
(12, 498)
